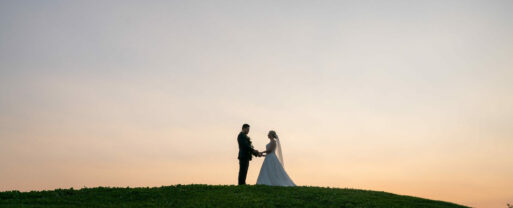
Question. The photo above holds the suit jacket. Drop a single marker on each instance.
(245, 147)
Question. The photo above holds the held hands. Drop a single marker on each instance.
(258, 154)
(261, 154)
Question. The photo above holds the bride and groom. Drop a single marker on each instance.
(272, 171)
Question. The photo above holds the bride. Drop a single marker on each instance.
(272, 172)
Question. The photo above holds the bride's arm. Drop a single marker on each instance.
(271, 148)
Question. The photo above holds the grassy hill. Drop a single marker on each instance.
(214, 196)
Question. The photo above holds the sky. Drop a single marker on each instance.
(408, 97)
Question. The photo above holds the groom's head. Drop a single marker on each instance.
(245, 128)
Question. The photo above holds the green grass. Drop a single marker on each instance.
(214, 196)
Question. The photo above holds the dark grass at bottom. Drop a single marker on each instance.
(215, 196)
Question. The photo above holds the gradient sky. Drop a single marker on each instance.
(409, 97)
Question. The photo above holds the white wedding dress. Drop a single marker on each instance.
(272, 172)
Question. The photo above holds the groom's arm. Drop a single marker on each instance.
(245, 144)
(254, 151)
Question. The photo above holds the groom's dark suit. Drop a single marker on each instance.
(245, 154)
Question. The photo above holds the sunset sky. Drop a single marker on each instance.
(408, 97)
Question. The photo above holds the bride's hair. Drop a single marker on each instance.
(273, 134)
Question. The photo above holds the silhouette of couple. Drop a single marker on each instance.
(272, 171)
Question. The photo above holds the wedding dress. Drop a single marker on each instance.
(272, 171)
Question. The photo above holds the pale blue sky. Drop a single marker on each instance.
(410, 97)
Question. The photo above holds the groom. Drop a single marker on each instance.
(245, 153)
